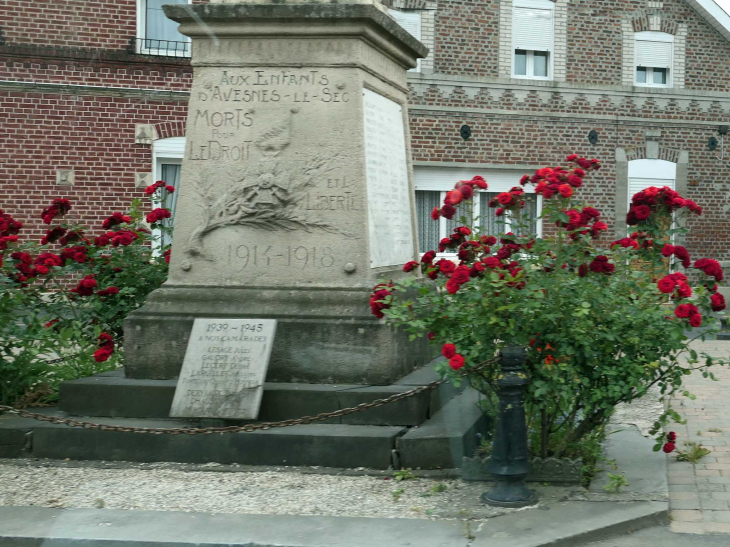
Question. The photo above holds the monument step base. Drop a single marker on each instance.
(441, 442)
(113, 395)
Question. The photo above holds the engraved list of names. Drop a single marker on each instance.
(389, 199)
(224, 369)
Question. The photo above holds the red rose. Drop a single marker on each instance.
(448, 211)
(575, 181)
(641, 212)
(718, 302)
(103, 354)
(453, 198)
(666, 285)
(524, 179)
(671, 436)
(436, 213)
(463, 230)
(170, 189)
(695, 320)
(668, 250)
(684, 290)
(410, 266)
(446, 266)
(682, 254)
(428, 257)
(150, 189)
(479, 181)
(452, 286)
(669, 447)
(505, 198)
(488, 240)
(492, 262)
(53, 235)
(565, 190)
(466, 191)
(461, 275)
(456, 362)
(448, 350)
(48, 260)
(108, 291)
(572, 158)
(684, 311)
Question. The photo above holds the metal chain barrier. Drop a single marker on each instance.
(248, 428)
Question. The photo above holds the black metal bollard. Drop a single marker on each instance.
(509, 462)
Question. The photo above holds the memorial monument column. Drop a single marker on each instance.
(296, 193)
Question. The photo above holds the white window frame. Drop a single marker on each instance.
(414, 15)
(168, 151)
(530, 64)
(457, 174)
(142, 31)
(653, 36)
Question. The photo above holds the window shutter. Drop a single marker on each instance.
(533, 29)
(409, 20)
(653, 54)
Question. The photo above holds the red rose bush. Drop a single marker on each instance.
(66, 295)
(603, 322)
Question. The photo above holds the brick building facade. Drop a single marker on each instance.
(93, 95)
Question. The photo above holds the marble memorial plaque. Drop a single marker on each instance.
(224, 369)
(389, 200)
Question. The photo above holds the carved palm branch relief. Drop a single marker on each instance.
(266, 196)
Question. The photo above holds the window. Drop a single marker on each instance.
(432, 183)
(167, 156)
(158, 35)
(532, 39)
(411, 23)
(653, 59)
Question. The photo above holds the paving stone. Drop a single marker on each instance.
(714, 505)
(687, 527)
(686, 516)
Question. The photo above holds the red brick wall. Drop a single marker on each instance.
(73, 23)
(537, 141)
(105, 24)
(594, 43)
(467, 37)
(94, 136)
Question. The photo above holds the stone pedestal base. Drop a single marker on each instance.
(324, 335)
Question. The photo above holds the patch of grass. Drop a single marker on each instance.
(715, 430)
(615, 483)
(438, 488)
(404, 475)
(694, 453)
(397, 494)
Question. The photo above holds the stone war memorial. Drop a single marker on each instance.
(296, 199)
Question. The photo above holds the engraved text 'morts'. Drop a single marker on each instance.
(233, 119)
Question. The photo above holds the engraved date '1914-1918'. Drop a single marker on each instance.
(267, 194)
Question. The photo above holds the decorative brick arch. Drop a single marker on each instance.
(640, 153)
(170, 129)
(654, 21)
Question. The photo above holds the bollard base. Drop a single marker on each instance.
(510, 493)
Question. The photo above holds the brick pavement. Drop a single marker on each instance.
(700, 494)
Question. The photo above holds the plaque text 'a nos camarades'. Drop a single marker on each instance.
(255, 166)
(224, 369)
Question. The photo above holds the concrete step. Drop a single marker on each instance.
(447, 437)
(113, 395)
(562, 525)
